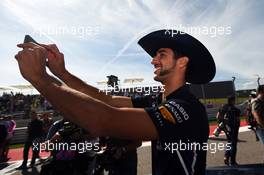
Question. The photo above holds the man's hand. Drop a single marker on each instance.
(56, 62)
(32, 61)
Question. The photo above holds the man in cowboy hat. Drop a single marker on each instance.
(169, 120)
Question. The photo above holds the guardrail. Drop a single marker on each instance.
(19, 136)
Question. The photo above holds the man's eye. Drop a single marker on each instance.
(162, 55)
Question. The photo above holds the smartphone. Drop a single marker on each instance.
(28, 39)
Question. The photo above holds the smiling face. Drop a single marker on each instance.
(164, 64)
(168, 66)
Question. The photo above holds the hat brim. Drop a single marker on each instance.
(201, 66)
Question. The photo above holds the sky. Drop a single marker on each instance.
(99, 38)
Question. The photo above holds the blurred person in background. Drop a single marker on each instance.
(231, 116)
(10, 125)
(258, 112)
(47, 123)
(250, 118)
(34, 131)
(3, 135)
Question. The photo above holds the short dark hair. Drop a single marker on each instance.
(230, 99)
(177, 54)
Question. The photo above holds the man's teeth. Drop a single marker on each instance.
(157, 69)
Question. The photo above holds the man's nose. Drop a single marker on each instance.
(154, 60)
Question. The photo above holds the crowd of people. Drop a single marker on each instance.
(41, 129)
(118, 157)
(15, 103)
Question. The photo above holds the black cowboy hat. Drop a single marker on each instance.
(201, 67)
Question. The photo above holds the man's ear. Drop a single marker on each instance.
(183, 61)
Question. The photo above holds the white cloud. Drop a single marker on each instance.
(121, 24)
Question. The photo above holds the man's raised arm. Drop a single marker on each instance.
(56, 65)
(99, 118)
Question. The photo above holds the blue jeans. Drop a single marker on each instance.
(260, 133)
